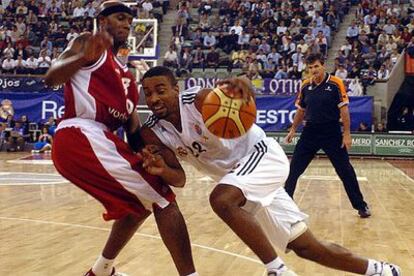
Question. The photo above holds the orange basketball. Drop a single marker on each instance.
(227, 116)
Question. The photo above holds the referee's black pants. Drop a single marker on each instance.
(329, 138)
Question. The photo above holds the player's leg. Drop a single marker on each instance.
(340, 160)
(304, 152)
(226, 201)
(104, 166)
(244, 190)
(122, 231)
(337, 257)
(173, 231)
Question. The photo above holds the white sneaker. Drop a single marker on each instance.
(284, 273)
(390, 270)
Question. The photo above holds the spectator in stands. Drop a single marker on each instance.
(363, 127)
(31, 65)
(78, 11)
(44, 142)
(294, 73)
(9, 50)
(213, 58)
(20, 65)
(72, 34)
(8, 65)
(353, 32)
(197, 38)
(10, 122)
(406, 119)
(209, 40)
(380, 127)
(46, 43)
(147, 8)
(171, 58)
(368, 78)
(341, 72)
(281, 73)
(237, 28)
(231, 42)
(44, 62)
(186, 60)
(322, 43)
(275, 56)
(199, 58)
(16, 140)
(383, 73)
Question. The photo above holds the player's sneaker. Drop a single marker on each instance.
(364, 212)
(284, 273)
(390, 270)
(90, 273)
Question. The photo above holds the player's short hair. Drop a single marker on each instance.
(113, 6)
(315, 57)
(158, 71)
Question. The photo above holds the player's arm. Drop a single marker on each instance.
(345, 117)
(132, 129)
(160, 160)
(299, 116)
(81, 51)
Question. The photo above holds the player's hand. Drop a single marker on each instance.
(96, 45)
(238, 86)
(153, 162)
(347, 141)
(289, 137)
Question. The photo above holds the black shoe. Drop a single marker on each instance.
(364, 212)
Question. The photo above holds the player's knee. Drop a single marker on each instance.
(220, 204)
(131, 220)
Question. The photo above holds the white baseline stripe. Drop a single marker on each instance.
(136, 234)
(328, 178)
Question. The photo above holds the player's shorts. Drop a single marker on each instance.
(261, 176)
(103, 165)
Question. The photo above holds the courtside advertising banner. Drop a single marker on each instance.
(273, 113)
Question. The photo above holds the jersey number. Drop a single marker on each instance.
(129, 104)
(196, 149)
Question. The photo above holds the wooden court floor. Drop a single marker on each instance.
(49, 227)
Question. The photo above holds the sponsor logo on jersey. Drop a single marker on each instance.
(118, 114)
(182, 152)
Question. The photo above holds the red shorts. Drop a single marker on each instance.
(104, 166)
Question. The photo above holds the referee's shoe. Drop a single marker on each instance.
(364, 212)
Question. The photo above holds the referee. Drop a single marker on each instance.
(321, 102)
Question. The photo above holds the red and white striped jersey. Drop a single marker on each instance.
(105, 92)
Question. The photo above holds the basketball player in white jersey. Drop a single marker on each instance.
(250, 172)
(101, 96)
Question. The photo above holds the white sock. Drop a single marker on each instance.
(277, 265)
(193, 274)
(374, 267)
(103, 266)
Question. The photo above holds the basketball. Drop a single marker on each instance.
(227, 116)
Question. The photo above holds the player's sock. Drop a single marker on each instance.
(193, 274)
(277, 265)
(102, 266)
(374, 267)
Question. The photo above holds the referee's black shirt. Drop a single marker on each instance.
(322, 102)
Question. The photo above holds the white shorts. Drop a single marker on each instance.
(267, 200)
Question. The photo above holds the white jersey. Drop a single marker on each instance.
(197, 145)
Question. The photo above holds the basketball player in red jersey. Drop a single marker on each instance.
(100, 96)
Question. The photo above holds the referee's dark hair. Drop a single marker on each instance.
(315, 57)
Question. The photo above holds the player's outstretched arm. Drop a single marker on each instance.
(160, 160)
(81, 51)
